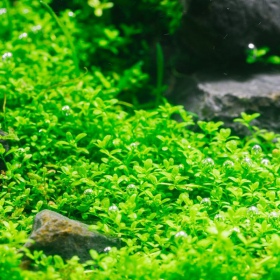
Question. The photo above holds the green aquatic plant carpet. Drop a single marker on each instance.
(188, 199)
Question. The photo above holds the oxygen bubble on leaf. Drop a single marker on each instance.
(251, 46)
(7, 56)
(246, 162)
(71, 14)
(181, 234)
(273, 215)
(113, 208)
(256, 150)
(219, 218)
(107, 249)
(228, 164)
(135, 144)
(181, 166)
(131, 188)
(247, 223)
(235, 229)
(36, 28)
(253, 211)
(3, 11)
(88, 191)
(208, 163)
(206, 202)
(265, 162)
(23, 36)
(66, 108)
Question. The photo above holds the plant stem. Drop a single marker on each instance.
(67, 35)
(160, 66)
(9, 18)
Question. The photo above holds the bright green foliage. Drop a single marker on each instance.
(188, 205)
(262, 55)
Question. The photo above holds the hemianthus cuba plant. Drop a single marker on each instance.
(187, 204)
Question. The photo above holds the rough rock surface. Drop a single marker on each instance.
(223, 96)
(55, 234)
(220, 31)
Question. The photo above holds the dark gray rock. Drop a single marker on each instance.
(223, 96)
(55, 234)
(220, 30)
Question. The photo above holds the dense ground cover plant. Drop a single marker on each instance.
(188, 205)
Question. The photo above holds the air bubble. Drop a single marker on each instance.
(256, 149)
(273, 215)
(71, 14)
(181, 166)
(3, 11)
(219, 218)
(88, 191)
(235, 229)
(23, 36)
(67, 109)
(252, 211)
(135, 144)
(107, 249)
(6, 57)
(265, 162)
(131, 188)
(251, 46)
(208, 163)
(246, 163)
(206, 202)
(228, 164)
(113, 208)
(181, 234)
(36, 28)
(247, 223)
